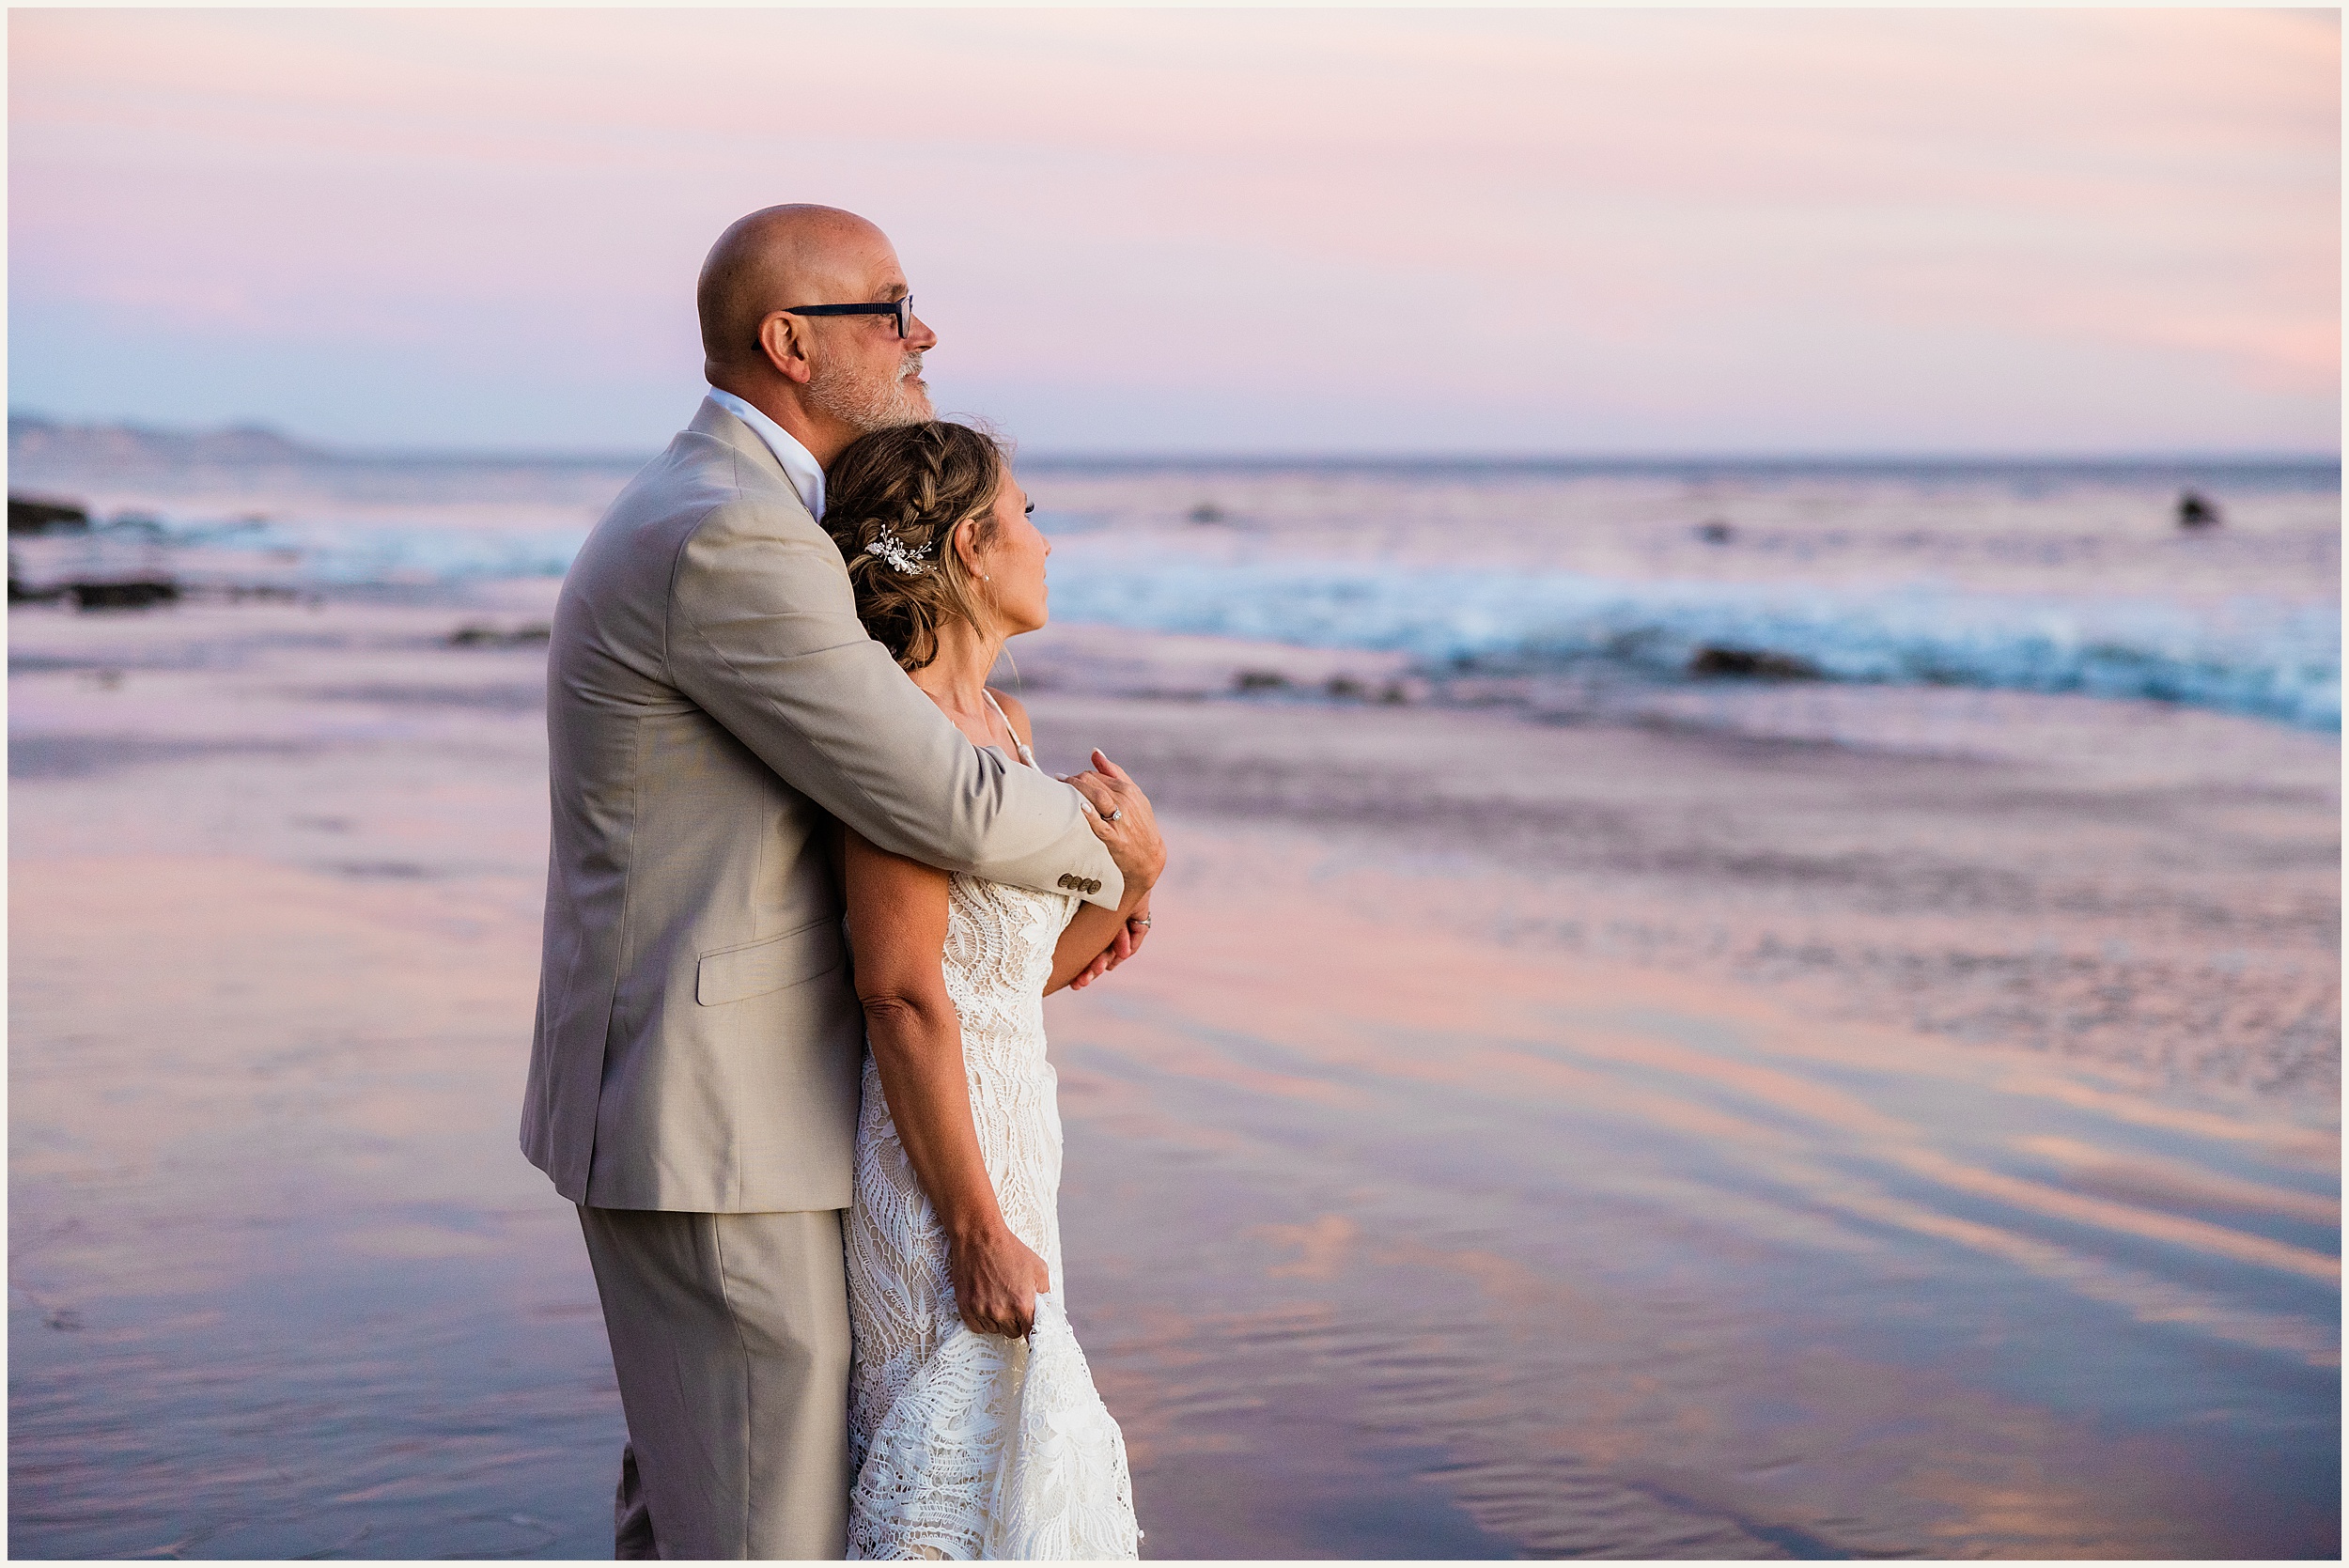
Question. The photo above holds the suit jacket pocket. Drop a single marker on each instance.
(739, 974)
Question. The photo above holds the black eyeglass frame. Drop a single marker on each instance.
(901, 309)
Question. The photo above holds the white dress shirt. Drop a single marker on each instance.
(806, 474)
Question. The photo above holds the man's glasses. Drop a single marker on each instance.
(901, 309)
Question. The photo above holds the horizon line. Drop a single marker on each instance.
(1131, 456)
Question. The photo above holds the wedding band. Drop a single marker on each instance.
(1115, 814)
(1143, 921)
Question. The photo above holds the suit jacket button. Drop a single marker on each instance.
(1093, 884)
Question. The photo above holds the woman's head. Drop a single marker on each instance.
(935, 533)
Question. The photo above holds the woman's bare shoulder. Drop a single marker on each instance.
(1017, 712)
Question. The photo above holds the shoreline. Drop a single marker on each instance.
(2139, 888)
(2136, 887)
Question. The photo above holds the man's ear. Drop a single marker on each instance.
(779, 340)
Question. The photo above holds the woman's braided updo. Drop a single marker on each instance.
(905, 489)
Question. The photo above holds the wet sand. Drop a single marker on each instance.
(1560, 1128)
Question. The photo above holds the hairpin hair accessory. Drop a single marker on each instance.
(892, 549)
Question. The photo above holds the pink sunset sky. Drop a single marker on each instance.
(1306, 230)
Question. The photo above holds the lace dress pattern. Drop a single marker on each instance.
(971, 1446)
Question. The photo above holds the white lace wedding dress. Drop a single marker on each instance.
(972, 1445)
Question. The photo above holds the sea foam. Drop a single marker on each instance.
(2274, 659)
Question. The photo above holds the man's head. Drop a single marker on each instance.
(826, 379)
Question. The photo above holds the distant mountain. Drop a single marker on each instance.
(48, 450)
(49, 444)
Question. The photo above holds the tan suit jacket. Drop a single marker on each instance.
(712, 702)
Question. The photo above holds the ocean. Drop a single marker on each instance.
(2030, 576)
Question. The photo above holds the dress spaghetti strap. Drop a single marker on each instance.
(1026, 755)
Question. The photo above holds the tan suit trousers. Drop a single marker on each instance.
(730, 1337)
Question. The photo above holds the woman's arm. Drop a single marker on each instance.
(1086, 940)
(1090, 934)
(898, 931)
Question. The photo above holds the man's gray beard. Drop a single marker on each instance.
(864, 406)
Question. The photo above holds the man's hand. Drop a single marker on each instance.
(996, 1280)
(1122, 946)
(1121, 819)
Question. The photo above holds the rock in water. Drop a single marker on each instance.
(31, 514)
(2196, 510)
(491, 637)
(137, 593)
(1753, 663)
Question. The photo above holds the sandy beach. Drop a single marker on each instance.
(1536, 1129)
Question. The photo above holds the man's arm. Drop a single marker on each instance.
(763, 634)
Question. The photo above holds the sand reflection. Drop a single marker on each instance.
(1406, 1217)
(1626, 1262)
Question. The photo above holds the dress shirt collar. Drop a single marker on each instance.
(806, 474)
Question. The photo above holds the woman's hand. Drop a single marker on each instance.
(997, 1278)
(1121, 817)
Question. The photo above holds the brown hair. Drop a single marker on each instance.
(906, 488)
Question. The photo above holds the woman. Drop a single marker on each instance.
(974, 1428)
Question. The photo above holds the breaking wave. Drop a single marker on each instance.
(2278, 660)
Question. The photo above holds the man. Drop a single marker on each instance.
(712, 702)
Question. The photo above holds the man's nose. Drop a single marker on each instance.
(921, 336)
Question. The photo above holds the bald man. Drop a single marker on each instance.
(712, 705)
